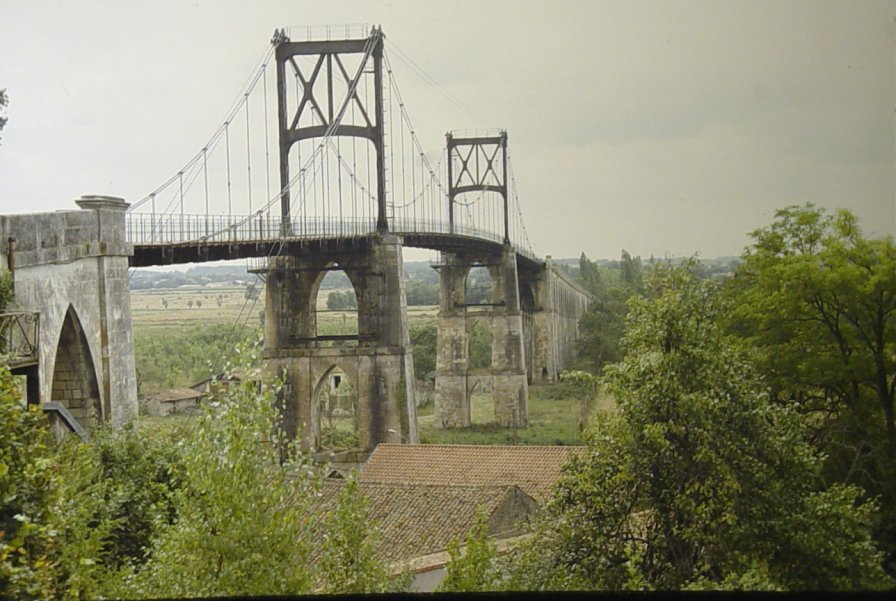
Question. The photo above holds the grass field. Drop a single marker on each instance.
(188, 306)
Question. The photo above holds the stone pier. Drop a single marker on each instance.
(506, 378)
(377, 361)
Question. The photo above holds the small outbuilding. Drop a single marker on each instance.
(175, 400)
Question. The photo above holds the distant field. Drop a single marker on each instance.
(213, 304)
(172, 307)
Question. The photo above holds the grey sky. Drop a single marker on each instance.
(658, 127)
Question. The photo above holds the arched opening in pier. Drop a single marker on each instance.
(478, 286)
(74, 375)
(336, 400)
(336, 306)
(479, 359)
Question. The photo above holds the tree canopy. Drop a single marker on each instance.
(816, 300)
(697, 481)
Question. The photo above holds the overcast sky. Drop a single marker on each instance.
(665, 128)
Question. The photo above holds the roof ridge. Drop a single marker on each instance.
(478, 446)
(430, 485)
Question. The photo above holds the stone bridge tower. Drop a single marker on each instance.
(71, 269)
(378, 360)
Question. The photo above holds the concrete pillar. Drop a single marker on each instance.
(508, 369)
(118, 387)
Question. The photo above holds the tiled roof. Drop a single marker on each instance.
(416, 520)
(534, 469)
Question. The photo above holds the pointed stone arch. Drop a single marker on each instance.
(335, 410)
(351, 317)
(74, 383)
(480, 344)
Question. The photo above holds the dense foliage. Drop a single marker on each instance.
(341, 299)
(697, 481)
(221, 511)
(603, 323)
(185, 356)
(472, 567)
(816, 301)
(423, 342)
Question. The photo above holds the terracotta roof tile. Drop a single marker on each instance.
(419, 519)
(534, 469)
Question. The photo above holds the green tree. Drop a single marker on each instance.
(424, 339)
(601, 327)
(242, 523)
(349, 563)
(421, 293)
(53, 530)
(697, 481)
(631, 271)
(28, 489)
(818, 301)
(480, 346)
(473, 567)
(338, 300)
(238, 510)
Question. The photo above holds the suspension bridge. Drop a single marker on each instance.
(316, 166)
(320, 148)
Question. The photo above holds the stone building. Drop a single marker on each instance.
(422, 496)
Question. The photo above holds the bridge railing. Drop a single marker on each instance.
(19, 335)
(149, 229)
(163, 229)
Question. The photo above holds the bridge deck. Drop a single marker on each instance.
(201, 238)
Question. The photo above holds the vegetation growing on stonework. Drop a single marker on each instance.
(6, 291)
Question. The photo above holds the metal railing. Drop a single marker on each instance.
(19, 332)
(163, 229)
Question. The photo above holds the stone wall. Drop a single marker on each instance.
(74, 265)
(560, 304)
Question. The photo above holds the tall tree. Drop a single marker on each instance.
(818, 301)
(601, 326)
(697, 481)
